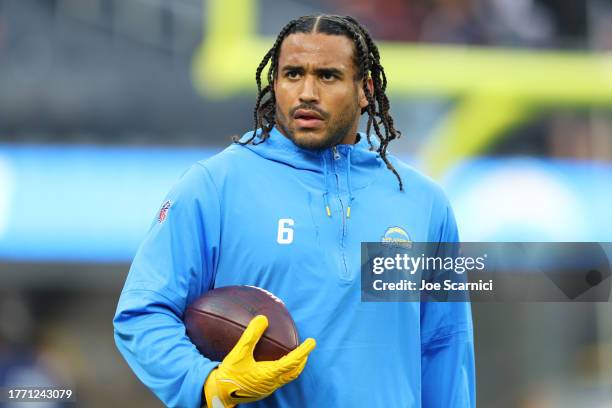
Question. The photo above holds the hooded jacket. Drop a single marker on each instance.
(291, 221)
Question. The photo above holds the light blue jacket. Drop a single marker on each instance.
(257, 215)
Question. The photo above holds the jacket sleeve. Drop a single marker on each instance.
(174, 265)
(447, 344)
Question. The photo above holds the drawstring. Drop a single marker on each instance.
(326, 195)
(350, 189)
(349, 183)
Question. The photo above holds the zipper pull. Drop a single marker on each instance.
(336, 154)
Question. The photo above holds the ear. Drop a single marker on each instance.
(363, 101)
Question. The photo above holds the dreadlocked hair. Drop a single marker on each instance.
(367, 61)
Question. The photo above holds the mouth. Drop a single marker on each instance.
(307, 118)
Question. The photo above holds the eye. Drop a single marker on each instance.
(292, 74)
(328, 76)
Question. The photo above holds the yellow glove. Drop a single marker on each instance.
(240, 379)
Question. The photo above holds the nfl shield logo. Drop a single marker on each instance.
(163, 212)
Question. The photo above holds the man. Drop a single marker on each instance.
(285, 209)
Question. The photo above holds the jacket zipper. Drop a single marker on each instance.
(336, 156)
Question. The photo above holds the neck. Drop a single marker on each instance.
(350, 138)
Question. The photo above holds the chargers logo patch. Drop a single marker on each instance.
(397, 235)
(163, 211)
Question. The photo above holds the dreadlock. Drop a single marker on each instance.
(367, 60)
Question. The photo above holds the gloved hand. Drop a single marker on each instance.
(240, 379)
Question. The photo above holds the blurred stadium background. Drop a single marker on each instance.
(103, 104)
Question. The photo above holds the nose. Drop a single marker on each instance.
(309, 92)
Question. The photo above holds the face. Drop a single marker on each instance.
(318, 99)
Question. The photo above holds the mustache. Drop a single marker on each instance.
(309, 106)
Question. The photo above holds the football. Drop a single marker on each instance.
(216, 320)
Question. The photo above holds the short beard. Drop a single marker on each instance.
(335, 134)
